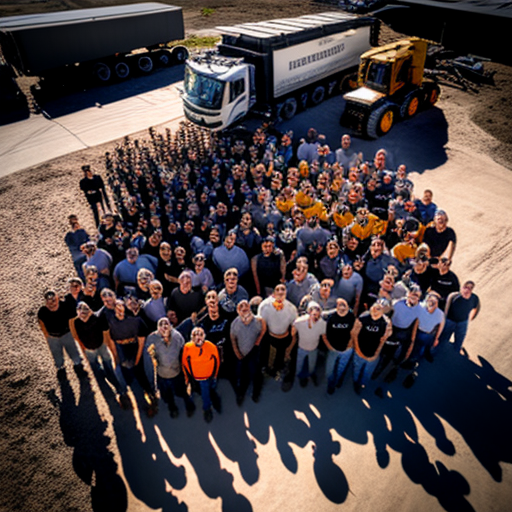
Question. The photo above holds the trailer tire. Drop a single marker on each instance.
(381, 120)
(145, 63)
(411, 105)
(318, 95)
(179, 54)
(289, 109)
(102, 71)
(122, 70)
(164, 57)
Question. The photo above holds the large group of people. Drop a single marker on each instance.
(245, 256)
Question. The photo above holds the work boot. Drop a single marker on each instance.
(174, 411)
(208, 415)
(410, 380)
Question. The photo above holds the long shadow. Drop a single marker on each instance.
(59, 99)
(93, 462)
(471, 397)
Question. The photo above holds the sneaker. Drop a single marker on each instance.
(410, 380)
(174, 412)
(208, 415)
(303, 382)
(125, 402)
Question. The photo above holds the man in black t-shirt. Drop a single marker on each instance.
(370, 332)
(54, 319)
(337, 340)
(94, 189)
(461, 308)
(440, 237)
(443, 281)
(91, 333)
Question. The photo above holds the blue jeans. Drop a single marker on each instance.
(208, 392)
(58, 345)
(459, 329)
(363, 369)
(115, 377)
(336, 365)
(301, 362)
(423, 341)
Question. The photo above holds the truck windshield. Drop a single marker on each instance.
(378, 76)
(202, 90)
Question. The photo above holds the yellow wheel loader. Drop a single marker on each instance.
(391, 87)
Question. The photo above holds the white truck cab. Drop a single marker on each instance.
(217, 91)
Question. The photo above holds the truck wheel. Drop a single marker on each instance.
(318, 95)
(179, 54)
(145, 64)
(289, 109)
(381, 120)
(122, 69)
(164, 57)
(102, 72)
(410, 106)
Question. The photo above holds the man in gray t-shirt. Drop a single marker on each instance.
(246, 333)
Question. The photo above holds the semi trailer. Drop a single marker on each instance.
(274, 68)
(107, 42)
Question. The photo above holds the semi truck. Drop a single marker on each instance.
(107, 42)
(274, 68)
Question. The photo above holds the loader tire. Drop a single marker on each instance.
(411, 105)
(381, 120)
(432, 93)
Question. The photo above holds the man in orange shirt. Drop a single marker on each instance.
(200, 361)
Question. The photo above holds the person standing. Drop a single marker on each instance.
(163, 354)
(461, 308)
(370, 332)
(94, 189)
(306, 332)
(246, 333)
(54, 319)
(337, 340)
(200, 362)
(92, 335)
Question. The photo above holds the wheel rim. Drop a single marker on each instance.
(145, 64)
(164, 59)
(122, 69)
(386, 122)
(180, 56)
(413, 106)
(318, 95)
(102, 72)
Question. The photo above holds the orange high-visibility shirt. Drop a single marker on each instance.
(200, 363)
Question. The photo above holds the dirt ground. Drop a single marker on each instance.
(45, 441)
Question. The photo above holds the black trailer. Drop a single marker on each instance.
(103, 38)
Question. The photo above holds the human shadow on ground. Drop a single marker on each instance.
(468, 395)
(85, 431)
